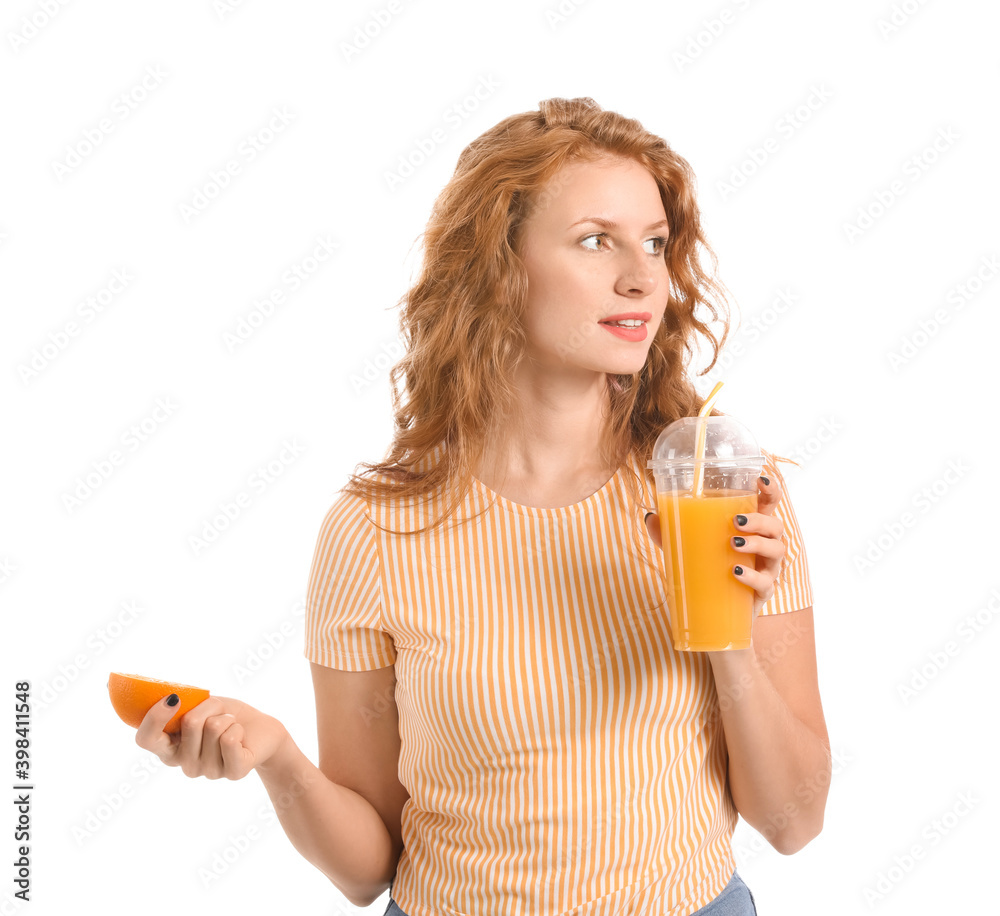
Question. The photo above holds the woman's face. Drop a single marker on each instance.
(593, 248)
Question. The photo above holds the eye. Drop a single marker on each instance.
(659, 243)
(602, 236)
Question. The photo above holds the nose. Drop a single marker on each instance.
(638, 275)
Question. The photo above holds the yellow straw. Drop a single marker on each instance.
(699, 467)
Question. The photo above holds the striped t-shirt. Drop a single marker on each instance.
(560, 756)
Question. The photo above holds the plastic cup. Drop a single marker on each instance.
(710, 609)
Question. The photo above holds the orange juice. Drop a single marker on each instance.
(710, 608)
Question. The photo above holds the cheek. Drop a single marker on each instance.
(548, 279)
(564, 297)
(554, 291)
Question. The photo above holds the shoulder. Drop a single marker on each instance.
(347, 509)
(772, 470)
(793, 589)
(346, 527)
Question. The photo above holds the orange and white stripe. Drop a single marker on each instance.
(561, 757)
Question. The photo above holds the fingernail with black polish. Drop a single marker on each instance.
(738, 570)
(739, 542)
(173, 699)
(767, 482)
(741, 519)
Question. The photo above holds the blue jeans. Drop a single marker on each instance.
(734, 900)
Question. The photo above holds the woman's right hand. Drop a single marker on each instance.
(220, 737)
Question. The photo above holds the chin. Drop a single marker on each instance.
(613, 378)
(629, 367)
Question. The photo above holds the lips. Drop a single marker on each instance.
(632, 332)
(627, 316)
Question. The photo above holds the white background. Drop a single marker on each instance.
(815, 379)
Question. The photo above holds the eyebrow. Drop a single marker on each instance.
(611, 224)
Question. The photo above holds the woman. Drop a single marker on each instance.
(504, 725)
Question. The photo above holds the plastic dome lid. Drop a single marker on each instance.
(728, 443)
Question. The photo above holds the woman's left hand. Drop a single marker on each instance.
(762, 538)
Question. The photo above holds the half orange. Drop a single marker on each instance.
(132, 696)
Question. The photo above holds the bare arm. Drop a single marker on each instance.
(344, 816)
(776, 737)
(779, 751)
(332, 826)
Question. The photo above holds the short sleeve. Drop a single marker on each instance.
(343, 625)
(792, 588)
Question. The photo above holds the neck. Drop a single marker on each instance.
(556, 435)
